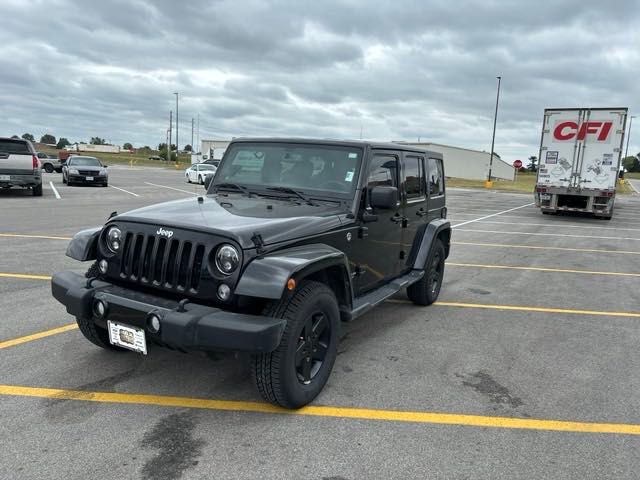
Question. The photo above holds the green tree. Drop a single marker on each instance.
(162, 146)
(62, 142)
(48, 139)
(97, 141)
(15, 137)
(28, 136)
(533, 161)
(187, 148)
(632, 164)
(127, 146)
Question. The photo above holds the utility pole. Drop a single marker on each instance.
(626, 150)
(191, 134)
(170, 134)
(488, 183)
(198, 134)
(177, 141)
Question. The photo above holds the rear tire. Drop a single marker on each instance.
(37, 190)
(295, 373)
(200, 181)
(426, 290)
(48, 168)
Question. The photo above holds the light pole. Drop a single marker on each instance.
(488, 183)
(177, 144)
(626, 150)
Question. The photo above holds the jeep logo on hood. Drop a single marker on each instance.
(164, 233)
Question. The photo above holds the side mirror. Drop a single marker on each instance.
(207, 181)
(384, 198)
(105, 166)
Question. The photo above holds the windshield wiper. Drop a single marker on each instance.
(234, 186)
(291, 191)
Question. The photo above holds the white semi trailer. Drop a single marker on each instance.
(580, 154)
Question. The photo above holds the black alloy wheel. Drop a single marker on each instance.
(295, 373)
(426, 290)
(48, 168)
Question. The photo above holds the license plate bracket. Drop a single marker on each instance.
(89, 179)
(128, 337)
(545, 196)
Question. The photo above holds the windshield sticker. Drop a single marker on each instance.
(353, 155)
(349, 176)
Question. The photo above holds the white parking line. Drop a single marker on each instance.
(492, 215)
(125, 191)
(171, 188)
(546, 234)
(560, 225)
(55, 192)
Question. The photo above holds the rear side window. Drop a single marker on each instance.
(436, 177)
(414, 177)
(14, 146)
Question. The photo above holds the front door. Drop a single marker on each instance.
(377, 258)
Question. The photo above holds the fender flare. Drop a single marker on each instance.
(267, 276)
(431, 232)
(83, 245)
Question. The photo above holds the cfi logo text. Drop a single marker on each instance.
(165, 233)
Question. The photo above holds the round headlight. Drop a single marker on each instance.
(114, 239)
(227, 259)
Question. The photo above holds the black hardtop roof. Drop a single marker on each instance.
(338, 143)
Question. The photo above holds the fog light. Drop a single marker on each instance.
(102, 266)
(153, 323)
(99, 308)
(224, 292)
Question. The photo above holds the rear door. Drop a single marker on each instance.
(414, 198)
(581, 148)
(16, 157)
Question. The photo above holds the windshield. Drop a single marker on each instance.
(84, 162)
(310, 168)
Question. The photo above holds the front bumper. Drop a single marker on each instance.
(83, 179)
(194, 327)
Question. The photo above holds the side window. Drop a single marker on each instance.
(436, 180)
(414, 177)
(383, 171)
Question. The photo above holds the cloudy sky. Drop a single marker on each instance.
(393, 70)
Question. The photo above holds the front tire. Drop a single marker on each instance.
(295, 373)
(426, 290)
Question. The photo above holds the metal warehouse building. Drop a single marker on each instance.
(458, 162)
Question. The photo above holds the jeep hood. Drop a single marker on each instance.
(240, 217)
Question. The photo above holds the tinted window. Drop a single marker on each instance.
(414, 176)
(14, 146)
(436, 180)
(383, 171)
(307, 167)
(206, 167)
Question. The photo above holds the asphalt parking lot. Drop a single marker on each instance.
(527, 367)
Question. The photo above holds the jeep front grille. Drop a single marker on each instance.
(162, 262)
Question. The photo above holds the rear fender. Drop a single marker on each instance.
(83, 244)
(436, 229)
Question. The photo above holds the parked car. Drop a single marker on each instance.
(293, 237)
(80, 169)
(198, 173)
(19, 165)
(48, 163)
(213, 162)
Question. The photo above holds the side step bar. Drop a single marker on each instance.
(365, 303)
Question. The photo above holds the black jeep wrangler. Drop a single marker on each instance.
(291, 238)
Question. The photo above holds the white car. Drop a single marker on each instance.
(198, 172)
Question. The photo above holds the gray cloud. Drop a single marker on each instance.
(395, 70)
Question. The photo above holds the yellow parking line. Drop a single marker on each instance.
(16, 235)
(25, 275)
(37, 336)
(530, 309)
(538, 247)
(542, 269)
(328, 411)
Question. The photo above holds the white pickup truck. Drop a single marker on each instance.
(19, 165)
